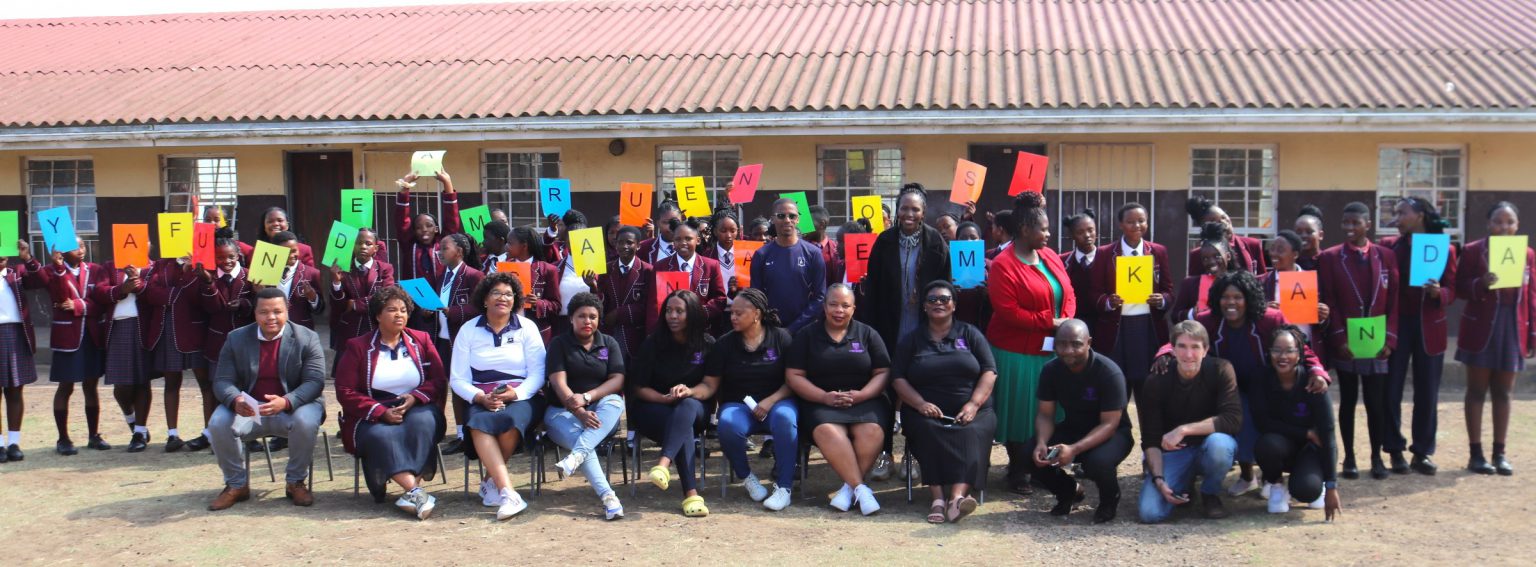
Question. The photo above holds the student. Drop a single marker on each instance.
(704, 276)
(1498, 332)
(457, 284)
(571, 283)
(1001, 232)
(1129, 333)
(790, 271)
(128, 363)
(1083, 229)
(1359, 279)
(668, 400)
(1309, 228)
(1247, 253)
(1285, 251)
(350, 290)
(1189, 412)
(723, 250)
(541, 304)
(586, 375)
(747, 368)
(658, 248)
(300, 283)
(1216, 260)
(947, 224)
(419, 234)
(227, 298)
(174, 327)
(610, 233)
(16, 338)
(757, 229)
(1421, 335)
(76, 340)
(273, 221)
(627, 291)
(1296, 428)
(494, 242)
(972, 305)
(1090, 388)
(820, 218)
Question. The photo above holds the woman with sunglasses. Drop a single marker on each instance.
(944, 374)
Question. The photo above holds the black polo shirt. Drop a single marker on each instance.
(1100, 387)
(663, 363)
(838, 365)
(743, 373)
(944, 371)
(584, 369)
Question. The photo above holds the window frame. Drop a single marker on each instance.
(35, 236)
(1458, 231)
(846, 198)
(165, 190)
(485, 180)
(666, 190)
(1271, 204)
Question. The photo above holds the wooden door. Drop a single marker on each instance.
(315, 181)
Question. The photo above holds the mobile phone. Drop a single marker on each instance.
(397, 402)
(1052, 454)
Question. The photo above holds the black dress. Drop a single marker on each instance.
(833, 366)
(945, 373)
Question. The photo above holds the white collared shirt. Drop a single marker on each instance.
(663, 250)
(399, 375)
(491, 261)
(520, 353)
(235, 273)
(10, 311)
(624, 269)
(727, 269)
(1085, 259)
(450, 276)
(1132, 309)
(571, 284)
(263, 336)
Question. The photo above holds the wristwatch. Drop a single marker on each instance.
(586, 398)
(1331, 485)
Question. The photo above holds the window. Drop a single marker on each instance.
(1240, 180)
(848, 172)
(717, 165)
(64, 182)
(207, 180)
(1436, 173)
(510, 181)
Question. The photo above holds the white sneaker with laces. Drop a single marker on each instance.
(843, 499)
(866, 497)
(1242, 487)
(511, 504)
(780, 499)
(489, 496)
(568, 465)
(425, 504)
(612, 508)
(1279, 501)
(755, 488)
(407, 502)
(1320, 503)
(1264, 491)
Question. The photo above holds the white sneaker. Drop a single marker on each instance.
(407, 502)
(490, 497)
(1320, 503)
(425, 504)
(568, 465)
(511, 504)
(1241, 487)
(780, 499)
(882, 469)
(612, 508)
(867, 503)
(755, 488)
(1264, 492)
(1279, 501)
(843, 499)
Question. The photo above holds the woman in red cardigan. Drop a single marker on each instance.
(388, 383)
(1498, 332)
(1030, 295)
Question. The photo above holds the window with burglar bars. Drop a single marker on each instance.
(510, 182)
(203, 180)
(847, 172)
(64, 182)
(1239, 179)
(717, 165)
(1436, 173)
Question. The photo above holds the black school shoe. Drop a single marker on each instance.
(98, 443)
(1423, 465)
(1399, 464)
(64, 447)
(455, 446)
(1479, 465)
(196, 444)
(1502, 466)
(1379, 470)
(139, 443)
(14, 454)
(172, 443)
(278, 444)
(1105, 513)
(1350, 471)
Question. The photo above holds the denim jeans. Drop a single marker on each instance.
(1210, 459)
(737, 422)
(568, 431)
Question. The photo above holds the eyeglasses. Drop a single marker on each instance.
(503, 295)
(940, 299)
(786, 216)
(1284, 352)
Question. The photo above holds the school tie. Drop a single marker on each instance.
(448, 281)
(227, 279)
(728, 257)
(1136, 252)
(623, 270)
(684, 266)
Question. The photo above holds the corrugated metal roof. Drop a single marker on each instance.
(702, 56)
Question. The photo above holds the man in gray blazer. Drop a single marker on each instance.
(275, 372)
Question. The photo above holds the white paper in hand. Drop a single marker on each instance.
(751, 403)
(1049, 345)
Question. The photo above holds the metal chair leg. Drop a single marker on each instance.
(442, 467)
(266, 447)
(330, 472)
(634, 446)
(357, 475)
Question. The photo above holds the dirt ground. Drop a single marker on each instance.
(113, 508)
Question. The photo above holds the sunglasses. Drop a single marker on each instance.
(786, 216)
(940, 299)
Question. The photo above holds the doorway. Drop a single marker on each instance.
(315, 181)
(1000, 159)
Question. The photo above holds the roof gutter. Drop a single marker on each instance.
(839, 123)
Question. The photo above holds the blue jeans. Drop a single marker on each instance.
(783, 422)
(1210, 459)
(567, 431)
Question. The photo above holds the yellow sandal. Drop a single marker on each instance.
(693, 507)
(660, 477)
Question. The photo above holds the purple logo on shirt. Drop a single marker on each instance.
(856, 346)
(960, 344)
(1090, 394)
(698, 357)
(602, 353)
(1302, 410)
(770, 355)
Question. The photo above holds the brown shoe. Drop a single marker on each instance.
(300, 494)
(228, 497)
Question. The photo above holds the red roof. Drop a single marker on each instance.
(710, 56)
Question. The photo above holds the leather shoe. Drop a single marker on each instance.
(65, 447)
(197, 444)
(3, 457)
(1214, 509)
(14, 454)
(1107, 508)
(454, 446)
(172, 443)
(1379, 470)
(300, 494)
(1399, 464)
(278, 444)
(228, 497)
(98, 443)
(138, 443)
(254, 446)
(1349, 470)
(1502, 465)
(1423, 465)
(1479, 465)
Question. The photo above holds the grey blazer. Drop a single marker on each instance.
(301, 365)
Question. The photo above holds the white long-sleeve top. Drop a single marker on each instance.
(515, 357)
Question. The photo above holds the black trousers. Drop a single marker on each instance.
(1277, 454)
(1427, 369)
(1376, 416)
(1100, 465)
(675, 427)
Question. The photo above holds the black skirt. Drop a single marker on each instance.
(388, 450)
(876, 410)
(951, 454)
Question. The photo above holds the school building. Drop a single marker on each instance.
(1264, 105)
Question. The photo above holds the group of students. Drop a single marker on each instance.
(1044, 357)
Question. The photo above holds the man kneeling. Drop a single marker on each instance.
(269, 382)
(1189, 414)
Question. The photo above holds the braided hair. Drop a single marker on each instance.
(759, 301)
